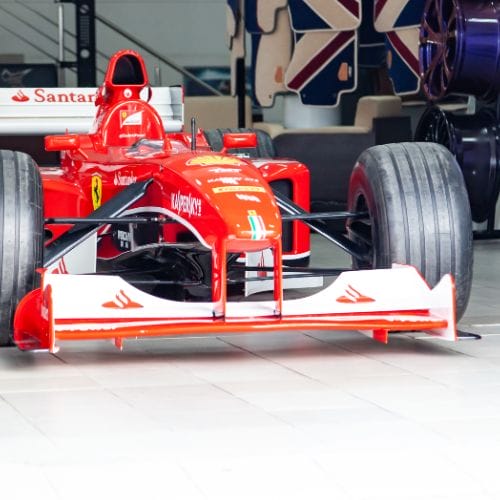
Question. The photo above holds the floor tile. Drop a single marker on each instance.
(275, 415)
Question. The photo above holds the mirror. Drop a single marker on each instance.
(239, 140)
(62, 142)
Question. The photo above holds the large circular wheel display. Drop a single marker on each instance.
(475, 143)
(459, 48)
(417, 213)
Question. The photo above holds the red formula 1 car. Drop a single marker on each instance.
(139, 232)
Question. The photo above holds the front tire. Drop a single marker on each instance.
(21, 233)
(418, 213)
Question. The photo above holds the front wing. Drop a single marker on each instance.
(77, 307)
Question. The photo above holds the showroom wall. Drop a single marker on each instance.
(190, 32)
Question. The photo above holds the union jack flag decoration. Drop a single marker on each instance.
(271, 55)
(391, 15)
(260, 15)
(324, 15)
(402, 60)
(372, 50)
(323, 66)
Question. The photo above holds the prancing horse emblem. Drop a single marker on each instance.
(96, 191)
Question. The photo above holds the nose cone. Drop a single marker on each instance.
(242, 199)
(251, 229)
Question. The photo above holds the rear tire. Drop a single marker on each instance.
(418, 213)
(21, 233)
(264, 149)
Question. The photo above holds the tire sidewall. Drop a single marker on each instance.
(21, 231)
(362, 189)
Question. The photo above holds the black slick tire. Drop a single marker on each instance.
(21, 233)
(418, 213)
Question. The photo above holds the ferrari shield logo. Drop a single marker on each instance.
(96, 191)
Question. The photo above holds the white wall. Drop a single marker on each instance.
(190, 32)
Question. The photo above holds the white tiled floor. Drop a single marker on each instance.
(299, 415)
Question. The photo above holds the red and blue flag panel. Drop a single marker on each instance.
(372, 50)
(324, 15)
(323, 66)
(402, 60)
(391, 15)
(270, 57)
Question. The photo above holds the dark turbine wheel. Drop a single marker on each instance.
(434, 126)
(459, 50)
(474, 141)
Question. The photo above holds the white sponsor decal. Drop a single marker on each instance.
(124, 236)
(247, 197)
(124, 179)
(225, 180)
(133, 119)
(228, 170)
(135, 136)
(185, 203)
(238, 189)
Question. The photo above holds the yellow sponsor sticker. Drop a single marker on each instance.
(207, 160)
(96, 191)
(239, 189)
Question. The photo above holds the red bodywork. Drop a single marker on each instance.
(122, 119)
(224, 200)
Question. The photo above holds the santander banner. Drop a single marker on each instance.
(48, 95)
(44, 110)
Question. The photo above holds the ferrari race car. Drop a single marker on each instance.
(143, 229)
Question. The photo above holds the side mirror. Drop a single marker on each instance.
(239, 140)
(67, 142)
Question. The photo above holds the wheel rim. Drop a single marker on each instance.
(438, 39)
(459, 50)
(475, 143)
(360, 231)
(434, 126)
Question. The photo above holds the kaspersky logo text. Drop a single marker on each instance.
(185, 203)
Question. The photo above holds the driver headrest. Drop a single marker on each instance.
(125, 78)
(128, 71)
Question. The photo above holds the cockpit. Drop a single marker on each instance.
(124, 117)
